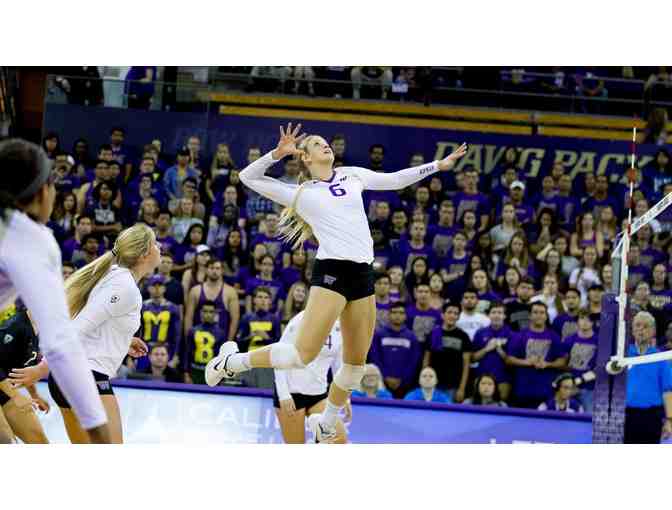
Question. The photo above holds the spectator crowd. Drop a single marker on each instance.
(488, 286)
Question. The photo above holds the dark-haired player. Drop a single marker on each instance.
(27, 198)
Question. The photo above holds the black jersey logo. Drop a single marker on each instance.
(8, 338)
(114, 299)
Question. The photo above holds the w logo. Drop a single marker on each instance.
(329, 280)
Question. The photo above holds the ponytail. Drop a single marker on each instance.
(79, 285)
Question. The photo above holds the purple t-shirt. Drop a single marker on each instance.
(485, 300)
(383, 257)
(595, 206)
(547, 202)
(524, 211)
(274, 245)
(441, 239)
(371, 198)
(659, 299)
(405, 254)
(464, 202)
(274, 286)
(573, 406)
(70, 246)
(651, 256)
(568, 208)
(161, 324)
(565, 325)
(492, 362)
(582, 356)
(528, 382)
(168, 244)
(397, 354)
(289, 276)
(422, 322)
(382, 314)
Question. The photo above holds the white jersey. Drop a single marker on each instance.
(471, 323)
(334, 209)
(30, 267)
(109, 319)
(311, 380)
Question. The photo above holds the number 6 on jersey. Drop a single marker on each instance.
(336, 191)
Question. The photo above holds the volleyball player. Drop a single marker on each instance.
(105, 303)
(328, 204)
(300, 393)
(30, 265)
(18, 348)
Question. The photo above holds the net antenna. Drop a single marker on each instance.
(618, 362)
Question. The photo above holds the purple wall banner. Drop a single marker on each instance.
(485, 150)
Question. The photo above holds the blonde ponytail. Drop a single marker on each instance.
(292, 228)
(131, 244)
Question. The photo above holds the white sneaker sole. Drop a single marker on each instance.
(315, 429)
(214, 370)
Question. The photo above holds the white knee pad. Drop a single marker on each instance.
(349, 377)
(285, 356)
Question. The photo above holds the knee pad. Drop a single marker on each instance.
(349, 377)
(285, 356)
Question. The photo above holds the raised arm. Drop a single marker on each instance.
(253, 175)
(403, 178)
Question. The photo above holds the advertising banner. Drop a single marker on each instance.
(153, 415)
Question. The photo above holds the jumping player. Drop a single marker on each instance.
(329, 205)
(30, 265)
(300, 393)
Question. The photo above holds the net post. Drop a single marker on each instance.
(609, 397)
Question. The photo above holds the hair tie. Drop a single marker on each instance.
(114, 253)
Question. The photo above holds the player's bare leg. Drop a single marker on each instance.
(323, 308)
(358, 321)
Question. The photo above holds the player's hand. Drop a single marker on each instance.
(138, 348)
(448, 163)
(21, 377)
(667, 429)
(188, 379)
(492, 344)
(289, 139)
(459, 395)
(348, 411)
(288, 406)
(40, 404)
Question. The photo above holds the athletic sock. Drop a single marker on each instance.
(238, 362)
(330, 415)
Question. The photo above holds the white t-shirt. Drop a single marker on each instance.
(311, 380)
(109, 320)
(582, 279)
(30, 267)
(334, 209)
(470, 323)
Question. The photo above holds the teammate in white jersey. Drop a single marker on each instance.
(105, 303)
(329, 205)
(30, 266)
(299, 393)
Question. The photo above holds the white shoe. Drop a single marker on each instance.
(216, 369)
(321, 434)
